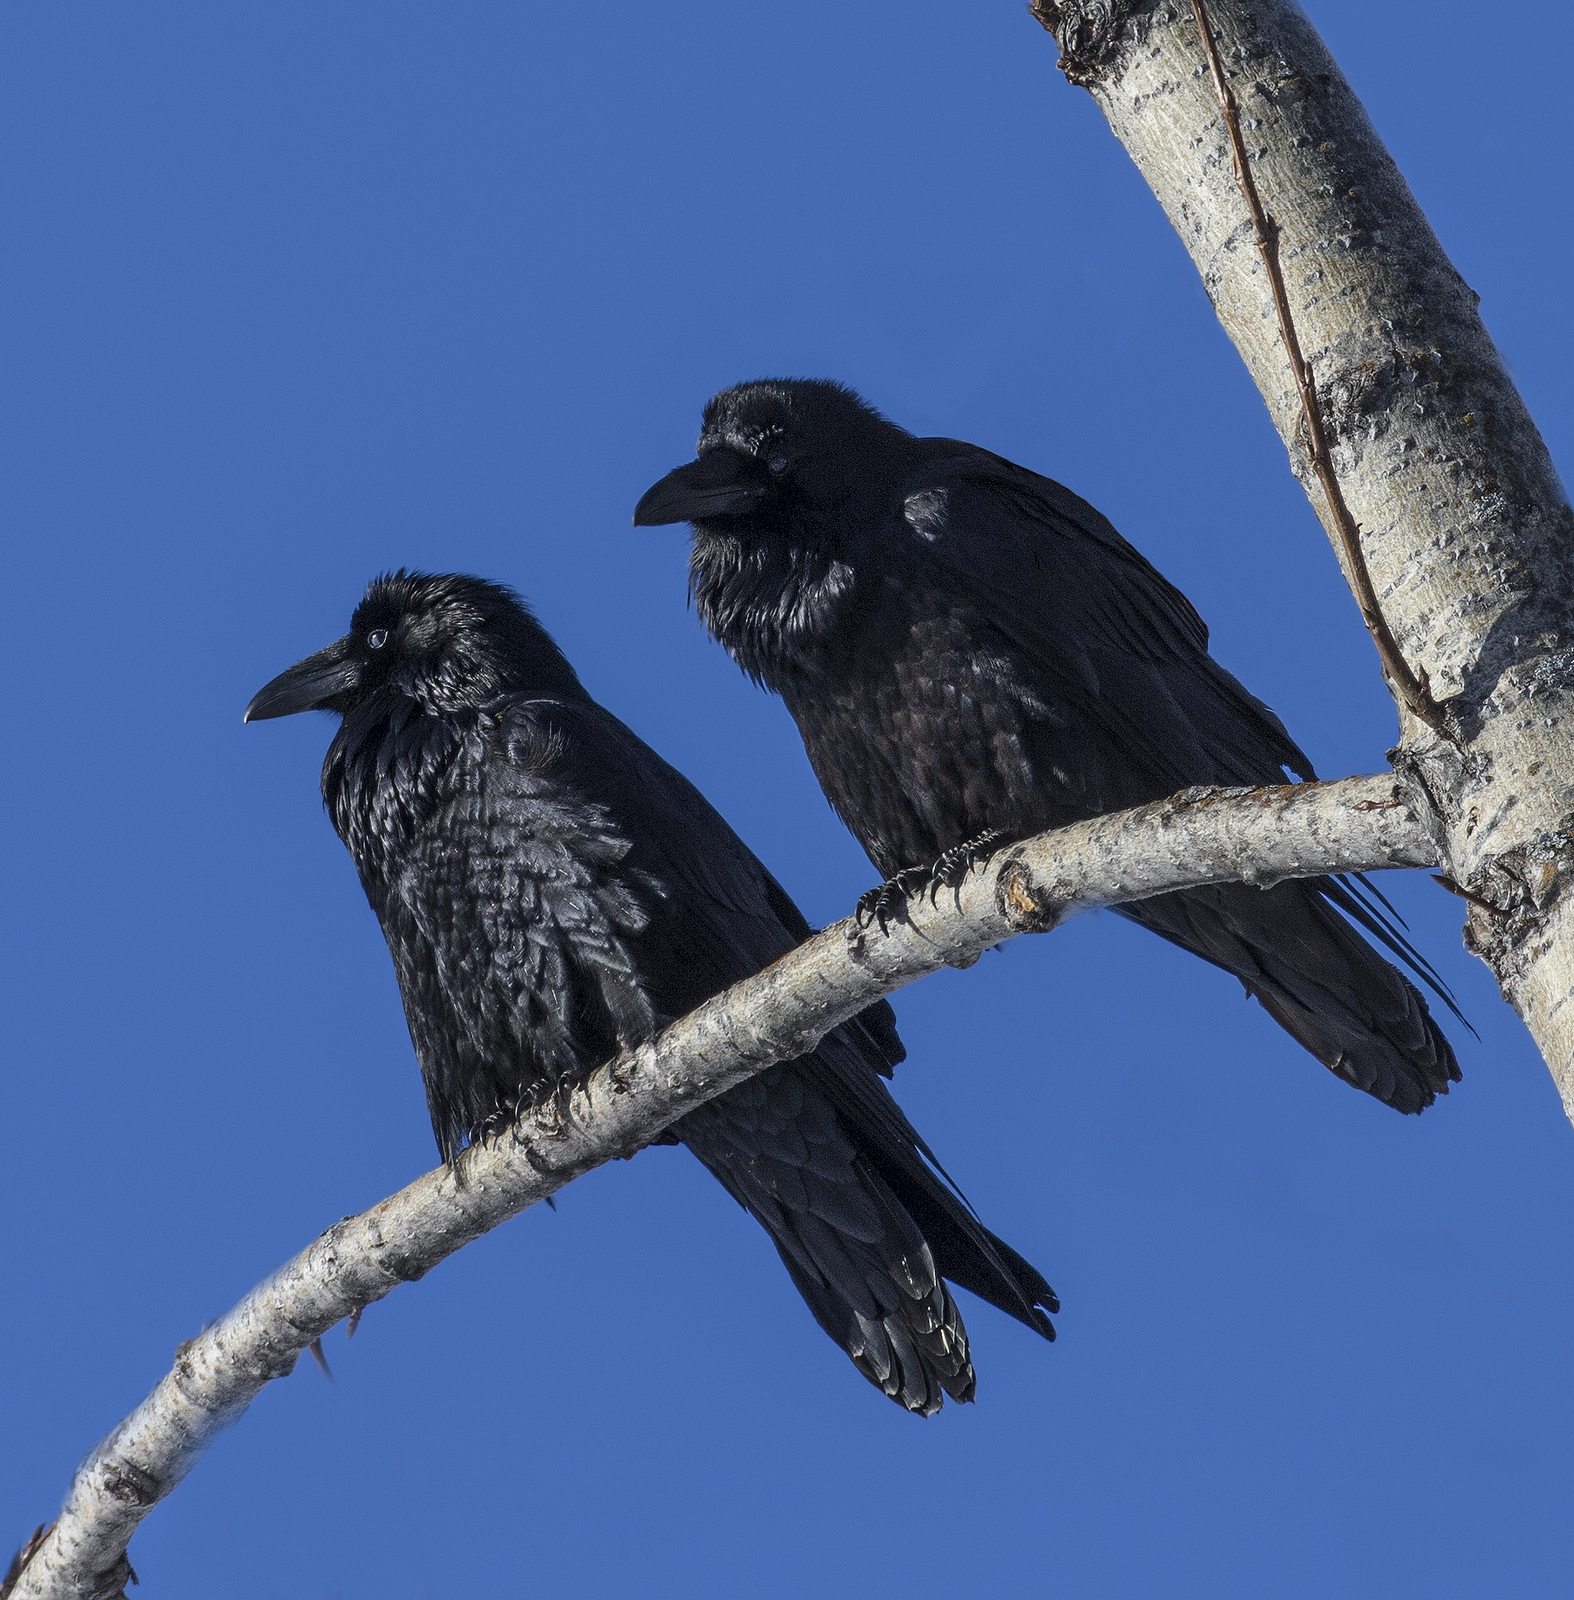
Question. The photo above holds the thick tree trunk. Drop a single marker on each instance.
(1465, 526)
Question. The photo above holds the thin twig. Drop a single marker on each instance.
(13, 1572)
(1411, 686)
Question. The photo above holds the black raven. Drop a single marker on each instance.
(973, 654)
(552, 892)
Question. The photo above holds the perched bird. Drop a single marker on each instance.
(973, 654)
(553, 892)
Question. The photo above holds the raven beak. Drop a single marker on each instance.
(721, 483)
(314, 684)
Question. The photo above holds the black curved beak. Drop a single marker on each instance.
(316, 684)
(721, 483)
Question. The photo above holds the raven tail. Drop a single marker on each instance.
(1319, 980)
(855, 1252)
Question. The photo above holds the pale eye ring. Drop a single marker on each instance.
(777, 462)
(377, 638)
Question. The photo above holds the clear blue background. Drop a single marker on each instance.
(296, 292)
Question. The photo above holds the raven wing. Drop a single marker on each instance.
(1099, 626)
(1118, 649)
(718, 916)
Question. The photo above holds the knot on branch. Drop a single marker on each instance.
(1534, 875)
(1512, 897)
(131, 1485)
(1026, 906)
(1090, 33)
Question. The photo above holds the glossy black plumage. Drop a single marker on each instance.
(552, 891)
(971, 649)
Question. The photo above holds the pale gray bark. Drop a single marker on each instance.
(1465, 526)
(1201, 836)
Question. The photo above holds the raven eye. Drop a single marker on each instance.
(777, 462)
(377, 638)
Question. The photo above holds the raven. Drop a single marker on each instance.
(973, 655)
(552, 892)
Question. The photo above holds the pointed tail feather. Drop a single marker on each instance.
(1319, 980)
(966, 1252)
(868, 1255)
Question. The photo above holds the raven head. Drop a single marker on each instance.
(793, 478)
(447, 642)
(793, 457)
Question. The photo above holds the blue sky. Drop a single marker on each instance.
(298, 292)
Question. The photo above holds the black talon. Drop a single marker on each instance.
(887, 902)
(872, 906)
(951, 870)
(562, 1098)
(492, 1129)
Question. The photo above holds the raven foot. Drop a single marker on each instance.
(887, 902)
(492, 1129)
(544, 1104)
(951, 870)
(560, 1101)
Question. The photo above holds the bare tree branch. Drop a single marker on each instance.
(1463, 521)
(1198, 837)
(1409, 686)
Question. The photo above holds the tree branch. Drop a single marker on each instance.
(1198, 837)
(1411, 687)
(1464, 524)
